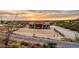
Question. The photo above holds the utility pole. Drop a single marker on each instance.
(9, 31)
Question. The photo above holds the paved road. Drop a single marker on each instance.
(29, 38)
(67, 44)
(62, 43)
(67, 32)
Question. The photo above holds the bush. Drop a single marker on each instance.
(52, 45)
(1, 37)
(16, 45)
(70, 40)
(45, 46)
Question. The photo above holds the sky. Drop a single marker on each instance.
(36, 15)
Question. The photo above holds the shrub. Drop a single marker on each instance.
(52, 45)
(16, 45)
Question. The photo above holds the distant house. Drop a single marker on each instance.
(39, 25)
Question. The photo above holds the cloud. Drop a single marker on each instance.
(40, 14)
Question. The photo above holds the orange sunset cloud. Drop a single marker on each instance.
(40, 15)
